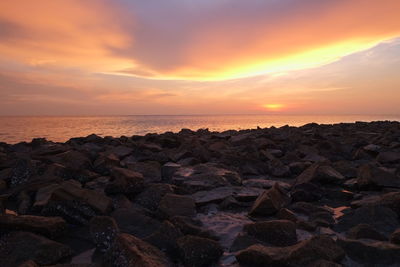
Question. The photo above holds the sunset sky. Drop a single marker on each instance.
(99, 57)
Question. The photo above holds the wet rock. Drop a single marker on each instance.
(270, 202)
(135, 222)
(103, 230)
(19, 247)
(128, 250)
(381, 218)
(176, 205)
(370, 252)
(125, 181)
(319, 173)
(276, 233)
(372, 176)
(165, 238)
(51, 227)
(197, 252)
(304, 253)
(363, 230)
(395, 237)
(150, 198)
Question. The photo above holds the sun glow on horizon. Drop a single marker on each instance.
(274, 107)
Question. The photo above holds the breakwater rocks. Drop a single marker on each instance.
(316, 195)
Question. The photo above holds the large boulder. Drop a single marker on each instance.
(270, 202)
(151, 196)
(371, 252)
(373, 176)
(276, 233)
(19, 247)
(199, 252)
(177, 205)
(388, 157)
(362, 231)
(51, 227)
(306, 252)
(151, 170)
(319, 173)
(103, 230)
(125, 181)
(130, 251)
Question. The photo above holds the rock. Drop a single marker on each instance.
(127, 251)
(134, 222)
(243, 241)
(51, 227)
(125, 182)
(381, 218)
(276, 233)
(19, 247)
(363, 230)
(103, 230)
(395, 237)
(307, 192)
(190, 226)
(319, 173)
(370, 175)
(150, 198)
(372, 148)
(151, 170)
(285, 214)
(24, 202)
(266, 184)
(388, 157)
(168, 170)
(22, 172)
(165, 238)
(176, 205)
(370, 252)
(205, 177)
(72, 159)
(197, 251)
(278, 169)
(220, 193)
(324, 263)
(29, 263)
(120, 151)
(306, 252)
(270, 202)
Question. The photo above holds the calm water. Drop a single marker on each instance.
(60, 129)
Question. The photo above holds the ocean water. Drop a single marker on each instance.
(60, 129)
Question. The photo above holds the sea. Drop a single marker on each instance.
(15, 129)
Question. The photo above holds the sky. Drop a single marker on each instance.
(123, 57)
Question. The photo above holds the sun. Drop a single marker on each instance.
(273, 107)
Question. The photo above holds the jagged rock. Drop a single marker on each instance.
(134, 222)
(103, 230)
(307, 192)
(285, 214)
(125, 181)
(319, 173)
(270, 202)
(381, 218)
(151, 170)
(151, 196)
(243, 241)
(176, 205)
(276, 233)
(306, 252)
(128, 250)
(190, 226)
(371, 252)
(266, 184)
(220, 193)
(277, 168)
(22, 172)
(165, 238)
(168, 170)
(370, 175)
(19, 247)
(72, 159)
(198, 252)
(395, 237)
(388, 157)
(51, 227)
(363, 230)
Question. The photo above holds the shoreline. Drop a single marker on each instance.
(301, 196)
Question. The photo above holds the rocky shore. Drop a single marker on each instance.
(316, 195)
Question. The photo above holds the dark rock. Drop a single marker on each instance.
(220, 193)
(307, 192)
(381, 218)
(395, 237)
(270, 202)
(243, 241)
(277, 168)
(51, 227)
(304, 253)
(165, 238)
(103, 230)
(370, 252)
(151, 170)
(168, 170)
(150, 198)
(19, 247)
(190, 226)
(277, 233)
(134, 222)
(128, 250)
(285, 214)
(125, 181)
(363, 230)
(319, 173)
(176, 205)
(266, 184)
(22, 172)
(370, 175)
(196, 251)
(73, 160)
(388, 157)
(24, 202)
